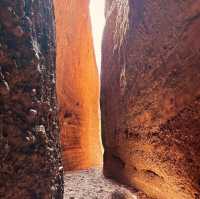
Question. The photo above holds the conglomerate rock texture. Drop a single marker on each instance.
(77, 85)
(151, 96)
(30, 164)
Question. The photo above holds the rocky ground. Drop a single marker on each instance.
(91, 184)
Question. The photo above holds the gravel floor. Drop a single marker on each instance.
(90, 184)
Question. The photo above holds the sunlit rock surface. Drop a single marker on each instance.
(151, 96)
(77, 85)
(30, 164)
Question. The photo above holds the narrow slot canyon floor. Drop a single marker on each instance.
(91, 184)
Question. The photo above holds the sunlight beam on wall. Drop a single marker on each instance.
(98, 23)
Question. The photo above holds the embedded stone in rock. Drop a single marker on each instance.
(4, 88)
(77, 85)
(29, 168)
(151, 96)
(121, 195)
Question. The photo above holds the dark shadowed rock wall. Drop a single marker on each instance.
(151, 96)
(30, 164)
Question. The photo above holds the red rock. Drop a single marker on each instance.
(151, 96)
(28, 168)
(77, 85)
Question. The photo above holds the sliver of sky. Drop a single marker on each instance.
(98, 22)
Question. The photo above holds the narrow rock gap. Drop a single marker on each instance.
(50, 92)
(79, 38)
(97, 14)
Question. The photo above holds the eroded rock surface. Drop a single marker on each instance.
(30, 165)
(151, 96)
(77, 85)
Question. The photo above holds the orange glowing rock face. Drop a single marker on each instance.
(77, 85)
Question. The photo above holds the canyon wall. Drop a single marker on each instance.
(150, 96)
(30, 163)
(77, 85)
